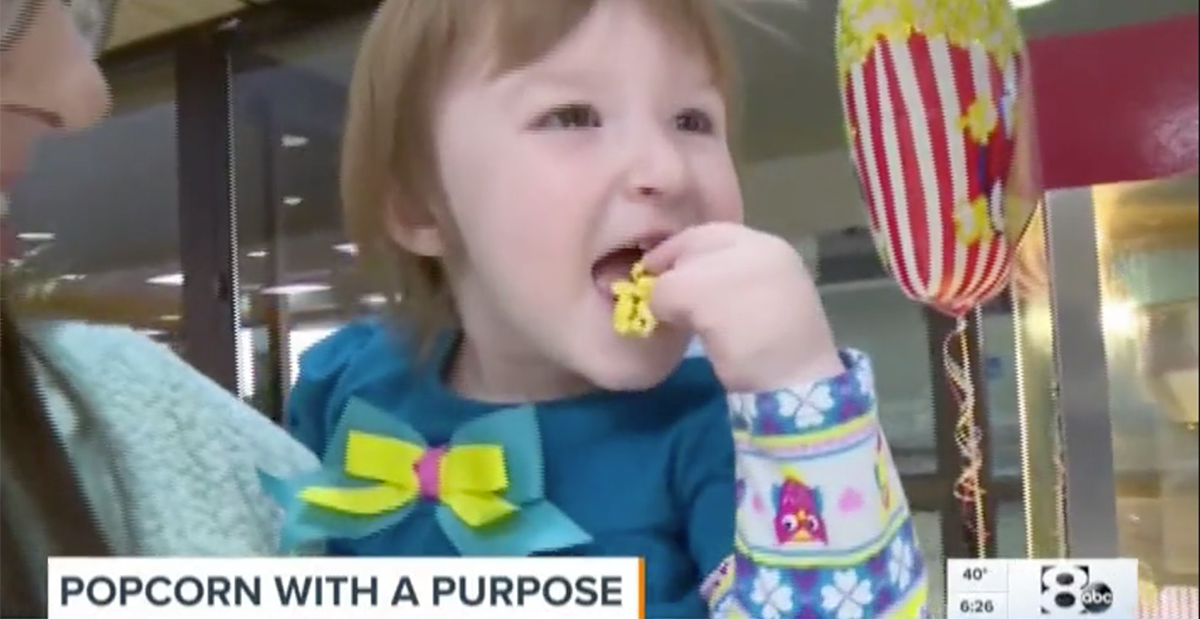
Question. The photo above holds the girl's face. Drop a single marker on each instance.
(558, 176)
(49, 79)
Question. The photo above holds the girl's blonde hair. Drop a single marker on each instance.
(388, 159)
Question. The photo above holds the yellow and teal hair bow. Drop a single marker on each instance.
(487, 483)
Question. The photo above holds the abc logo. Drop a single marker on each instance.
(1069, 590)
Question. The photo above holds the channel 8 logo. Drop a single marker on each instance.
(1072, 590)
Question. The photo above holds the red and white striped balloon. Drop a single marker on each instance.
(939, 119)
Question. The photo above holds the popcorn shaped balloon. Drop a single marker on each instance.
(938, 114)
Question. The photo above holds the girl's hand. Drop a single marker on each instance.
(752, 302)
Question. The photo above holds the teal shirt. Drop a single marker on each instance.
(646, 474)
(823, 528)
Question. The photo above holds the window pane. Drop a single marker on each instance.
(1000, 373)
(99, 211)
(875, 317)
(928, 526)
(1148, 244)
(1010, 530)
(296, 269)
(246, 350)
(301, 339)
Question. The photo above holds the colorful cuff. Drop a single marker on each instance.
(811, 408)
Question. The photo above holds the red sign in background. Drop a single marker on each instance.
(1117, 105)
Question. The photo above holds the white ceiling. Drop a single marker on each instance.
(137, 20)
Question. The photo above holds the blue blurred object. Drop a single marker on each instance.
(993, 367)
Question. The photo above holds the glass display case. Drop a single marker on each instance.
(1106, 310)
(1147, 247)
(1108, 341)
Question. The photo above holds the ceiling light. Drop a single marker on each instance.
(152, 332)
(294, 141)
(36, 237)
(1027, 4)
(169, 318)
(290, 289)
(260, 253)
(70, 277)
(374, 299)
(292, 200)
(350, 249)
(169, 279)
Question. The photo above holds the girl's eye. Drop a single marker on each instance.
(572, 116)
(694, 121)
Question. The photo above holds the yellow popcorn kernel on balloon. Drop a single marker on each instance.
(980, 120)
(971, 222)
(631, 312)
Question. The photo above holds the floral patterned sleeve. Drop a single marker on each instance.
(823, 526)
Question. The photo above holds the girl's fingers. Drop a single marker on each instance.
(694, 241)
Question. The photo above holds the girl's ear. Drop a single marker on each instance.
(414, 229)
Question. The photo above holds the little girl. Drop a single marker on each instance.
(510, 162)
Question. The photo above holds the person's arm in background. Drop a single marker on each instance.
(174, 468)
(823, 525)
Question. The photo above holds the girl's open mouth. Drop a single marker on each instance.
(615, 264)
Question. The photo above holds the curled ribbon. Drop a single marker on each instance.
(967, 435)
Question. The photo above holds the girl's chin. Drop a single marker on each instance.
(634, 364)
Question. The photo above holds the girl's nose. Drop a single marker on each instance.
(658, 169)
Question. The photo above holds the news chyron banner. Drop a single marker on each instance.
(1035, 588)
(346, 588)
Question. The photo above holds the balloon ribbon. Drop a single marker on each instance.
(968, 488)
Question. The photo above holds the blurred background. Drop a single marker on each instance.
(205, 213)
